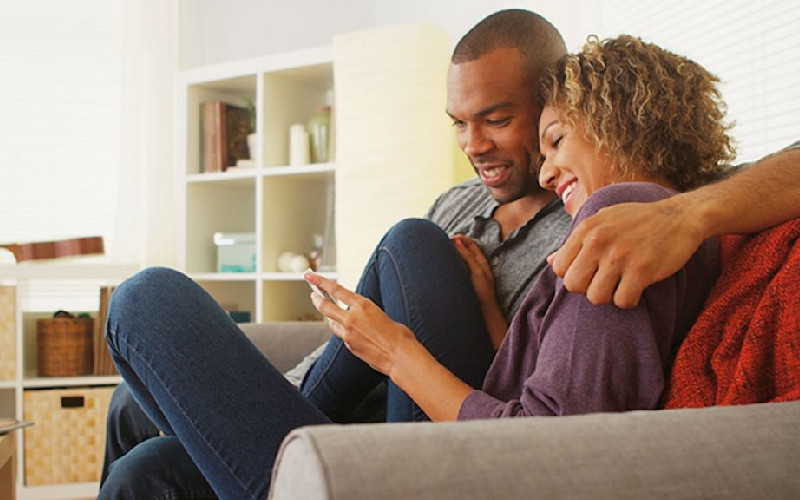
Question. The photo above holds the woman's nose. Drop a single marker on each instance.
(547, 175)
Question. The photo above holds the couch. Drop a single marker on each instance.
(748, 451)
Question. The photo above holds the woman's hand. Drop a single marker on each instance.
(364, 328)
(479, 270)
(390, 348)
(483, 281)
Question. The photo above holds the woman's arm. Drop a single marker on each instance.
(616, 254)
(391, 348)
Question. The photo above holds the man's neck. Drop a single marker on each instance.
(518, 212)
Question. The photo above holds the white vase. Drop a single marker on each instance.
(252, 145)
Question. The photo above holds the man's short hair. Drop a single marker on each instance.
(539, 42)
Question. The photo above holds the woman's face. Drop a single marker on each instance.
(571, 166)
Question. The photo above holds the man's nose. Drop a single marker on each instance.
(476, 142)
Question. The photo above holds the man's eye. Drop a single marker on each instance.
(498, 122)
(458, 124)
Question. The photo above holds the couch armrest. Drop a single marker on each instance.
(286, 343)
(738, 452)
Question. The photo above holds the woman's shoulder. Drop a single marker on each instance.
(624, 192)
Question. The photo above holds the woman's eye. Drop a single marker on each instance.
(557, 140)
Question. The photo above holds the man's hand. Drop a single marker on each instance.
(618, 252)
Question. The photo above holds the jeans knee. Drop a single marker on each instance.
(141, 285)
(146, 294)
(136, 294)
(414, 232)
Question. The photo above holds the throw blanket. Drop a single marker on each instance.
(745, 346)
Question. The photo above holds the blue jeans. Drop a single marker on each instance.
(126, 426)
(417, 277)
(198, 378)
(161, 466)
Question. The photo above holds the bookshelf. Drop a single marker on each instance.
(30, 291)
(284, 206)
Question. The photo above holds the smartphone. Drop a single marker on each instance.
(322, 292)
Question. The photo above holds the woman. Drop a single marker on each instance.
(622, 121)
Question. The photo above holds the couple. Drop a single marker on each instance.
(555, 356)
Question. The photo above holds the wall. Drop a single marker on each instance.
(572, 17)
(214, 31)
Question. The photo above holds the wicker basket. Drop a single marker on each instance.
(66, 444)
(8, 332)
(65, 346)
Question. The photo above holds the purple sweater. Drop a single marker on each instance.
(562, 355)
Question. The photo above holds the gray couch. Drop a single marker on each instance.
(732, 452)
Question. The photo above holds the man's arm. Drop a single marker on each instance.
(623, 249)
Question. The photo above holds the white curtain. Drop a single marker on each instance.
(750, 44)
(59, 125)
(145, 224)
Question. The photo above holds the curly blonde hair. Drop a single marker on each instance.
(645, 108)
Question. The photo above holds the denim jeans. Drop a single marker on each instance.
(417, 277)
(199, 379)
(126, 426)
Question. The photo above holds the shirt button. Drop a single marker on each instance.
(495, 261)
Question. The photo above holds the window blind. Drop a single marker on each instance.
(751, 45)
(60, 90)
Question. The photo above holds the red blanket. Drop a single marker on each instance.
(745, 346)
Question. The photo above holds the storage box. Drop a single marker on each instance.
(67, 442)
(236, 252)
(8, 322)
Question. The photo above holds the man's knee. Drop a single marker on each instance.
(414, 232)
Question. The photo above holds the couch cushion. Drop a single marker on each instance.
(286, 343)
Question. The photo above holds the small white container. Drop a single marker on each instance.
(298, 145)
(236, 252)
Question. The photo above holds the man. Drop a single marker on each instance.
(491, 81)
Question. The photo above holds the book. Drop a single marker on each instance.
(223, 135)
(103, 364)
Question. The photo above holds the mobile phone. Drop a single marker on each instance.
(322, 292)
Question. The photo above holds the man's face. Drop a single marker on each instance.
(496, 121)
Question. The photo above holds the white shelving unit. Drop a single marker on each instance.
(25, 277)
(285, 206)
